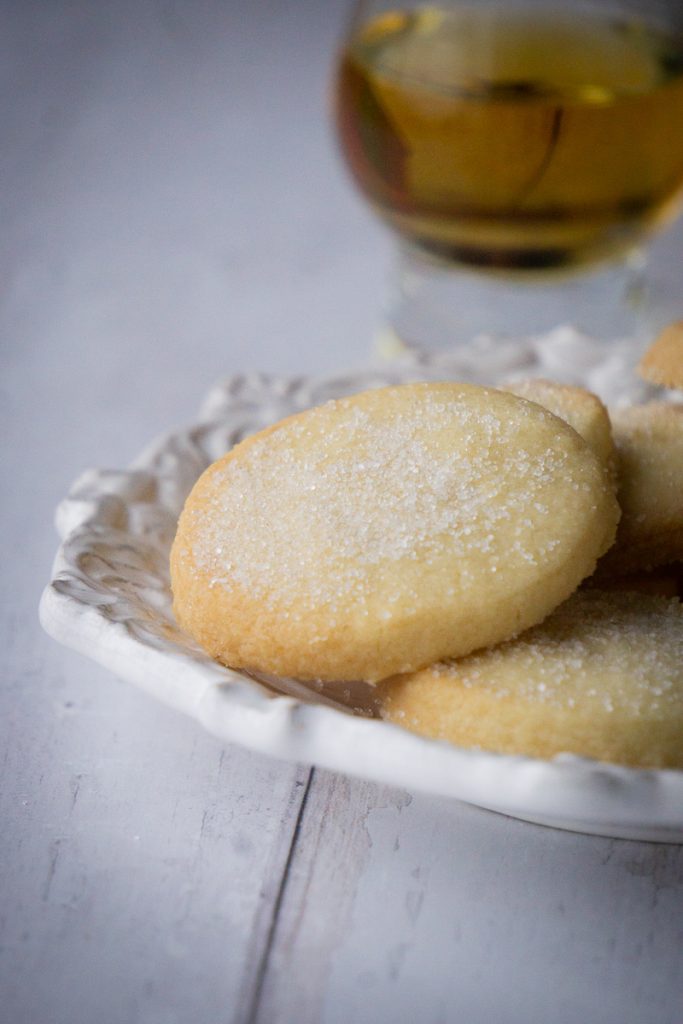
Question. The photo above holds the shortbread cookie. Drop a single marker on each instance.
(379, 533)
(663, 361)
(601, 677)
(649, 441)
(581, 409)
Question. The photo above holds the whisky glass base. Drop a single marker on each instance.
(434, 305)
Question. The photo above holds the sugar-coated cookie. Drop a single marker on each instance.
(581, 409)
(602, 677)
(649, 441)
(663, 361)
(379, 533)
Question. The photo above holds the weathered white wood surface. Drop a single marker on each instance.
(174, 212)
(403, 909)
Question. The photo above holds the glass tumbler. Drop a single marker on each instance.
(523, 153)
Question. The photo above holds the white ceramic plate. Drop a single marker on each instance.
(109, 598)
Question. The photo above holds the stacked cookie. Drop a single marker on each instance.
(429, 538)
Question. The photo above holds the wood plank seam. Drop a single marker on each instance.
(262, 970)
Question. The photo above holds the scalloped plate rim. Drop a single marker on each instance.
(572, 793)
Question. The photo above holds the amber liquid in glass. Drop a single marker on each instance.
(518, 140)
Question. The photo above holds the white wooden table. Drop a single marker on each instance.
(174, 211)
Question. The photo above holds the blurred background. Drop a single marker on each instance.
(174, 207)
